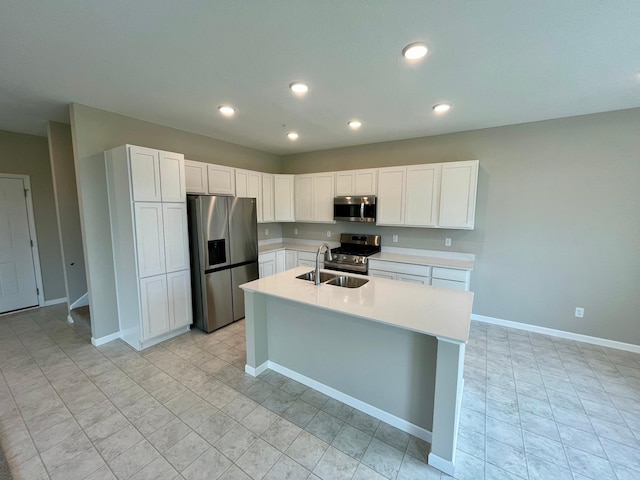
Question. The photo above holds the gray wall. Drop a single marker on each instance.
(68, 213)
(556, 220)
(95, 131)
(29, 155)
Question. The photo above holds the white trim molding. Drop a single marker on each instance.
(441, 464)
(106, 339)
(83, 301)
(397, 422)
(55, 301)
(603, 342)
(254, 372)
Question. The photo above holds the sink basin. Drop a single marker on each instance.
(347, 282)
(311, 276)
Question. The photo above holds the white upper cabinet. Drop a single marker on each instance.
(255, 191)
(357, 182)
(314, 195)
(176, 236)
(172, 179)
(458, 194)
(145, 174)
(283, 198)
(440, 195)
(422, 195)
(267, 198)
(222, 180)
(149, 239)
(242, 183)
(303, 198)
(195, 174)
(391, 198)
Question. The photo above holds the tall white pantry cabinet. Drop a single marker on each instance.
(148, 214)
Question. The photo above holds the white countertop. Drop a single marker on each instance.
(434, 311)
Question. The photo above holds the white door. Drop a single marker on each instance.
(280, 261)
(149, 239)
(421, 198)
(176, 236)
(458, 194)
(17, 275)
(179, 293)
(154, 305)
(242, 183)
(267, 197)
(303, 197)
(195, 174)
(283, 198)
(391, 186)
(145, 174)
(290, 259)
(172, 179)
(366, 181)
(323, 185)
(222, 180)
(344, 183)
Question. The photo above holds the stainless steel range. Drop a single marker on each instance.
(351, 255)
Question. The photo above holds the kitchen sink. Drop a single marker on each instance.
(311, 276)
(347, 282)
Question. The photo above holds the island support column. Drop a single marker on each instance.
(255, 308)
(446, 405)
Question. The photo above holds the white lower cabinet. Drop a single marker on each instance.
(280, 261)
(154, 303)
(266, 264)
(452, 278)
(179, 295)
(308, 259)
(290, 259)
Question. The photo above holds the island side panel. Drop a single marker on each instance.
(256, 332)
(387, 367)
(447, 404)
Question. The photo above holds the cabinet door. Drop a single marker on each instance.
(172, 181)
(267, 268)
(458, 194)
(195, 174)
(323, 188)
(254, 190)
(290, 259)
(422, 193)
(345, 183)
(382, 274)
(391, 187)
(405, 277)
(303, 198)
(366, 181)
(149, 239)
(280, 261)
(283, 198)
(222, 180)
(145, 174)
(154, 306)
(242, 183)
(267, 198)
(176, 236)
(179, 296)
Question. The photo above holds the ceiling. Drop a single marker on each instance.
(498, 62)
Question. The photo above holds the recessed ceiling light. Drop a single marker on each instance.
(293, 135)
(355, 124)
(299, 88)
(441, 107)
(414, 51)
(226, 110)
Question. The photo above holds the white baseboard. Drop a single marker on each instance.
(83, 301)
(69, 319)
(254, 372)
(106, 339)
(397, 422)
(55, 301)
(441, 464)
(603, 342)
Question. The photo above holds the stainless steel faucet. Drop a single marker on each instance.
(328, 250)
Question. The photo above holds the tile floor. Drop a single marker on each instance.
(534, 407)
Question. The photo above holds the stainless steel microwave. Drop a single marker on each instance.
(355, 208)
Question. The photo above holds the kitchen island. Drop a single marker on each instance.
(391, 349)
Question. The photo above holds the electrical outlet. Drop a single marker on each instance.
(266, 232)
(447, 242)
(328, 233)
(295, 231)
(579, 312)
(395, 239)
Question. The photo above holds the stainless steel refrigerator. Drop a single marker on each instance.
(223, 238)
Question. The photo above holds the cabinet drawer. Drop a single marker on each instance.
(450, 274)
(406, 268)
(382, 274)
(267, 257)
(451, 284)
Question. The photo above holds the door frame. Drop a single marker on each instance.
(35, 254)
